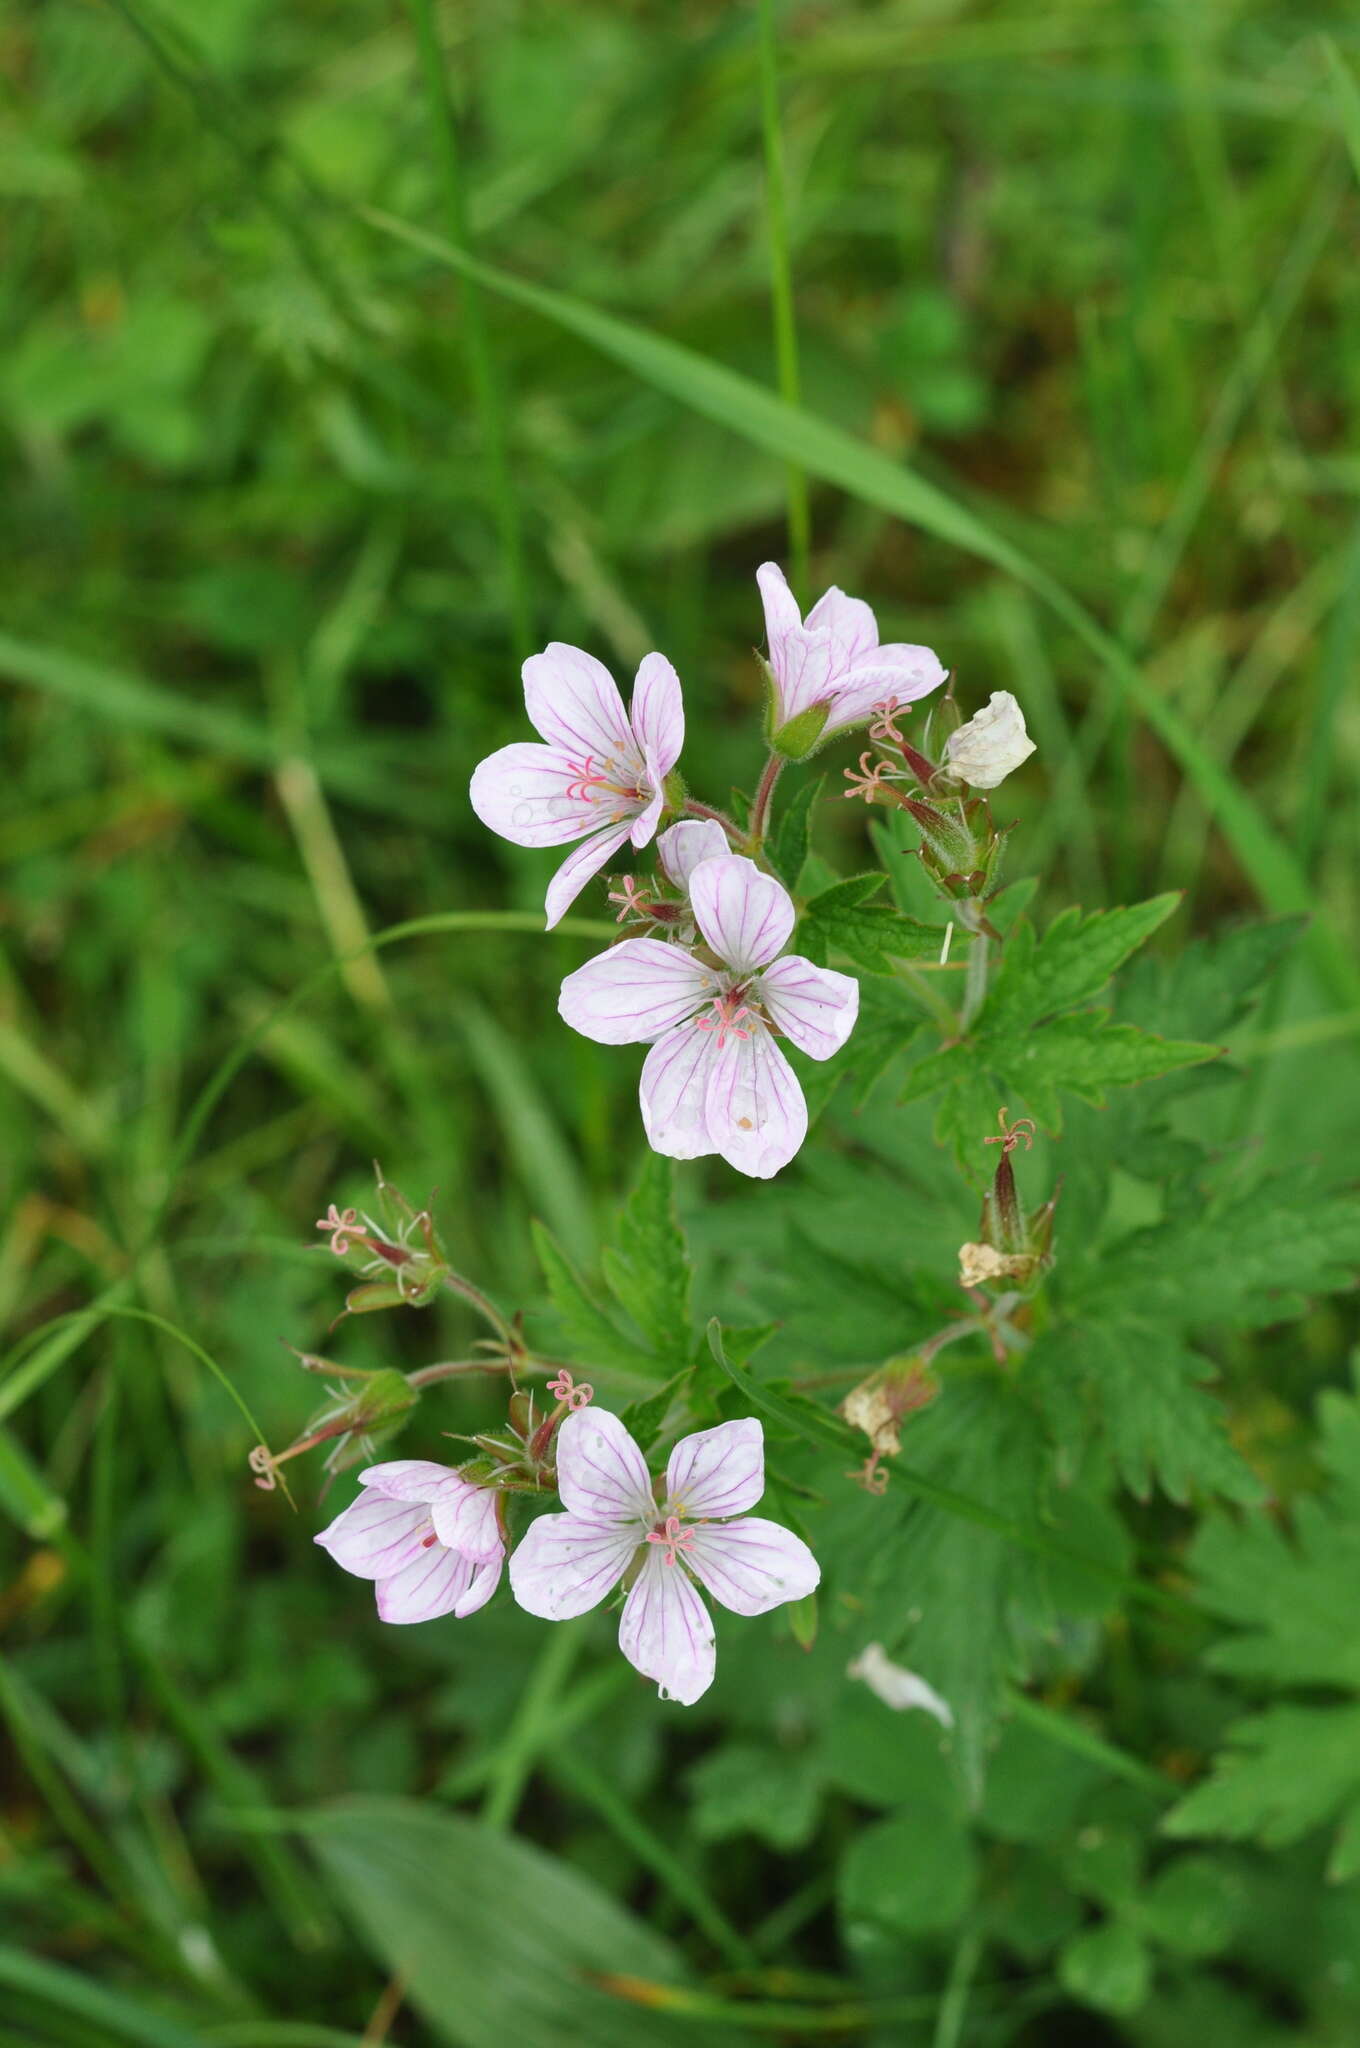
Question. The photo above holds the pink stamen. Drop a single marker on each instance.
(566, 1390)
(865, 781)
(427, 1542)
(588, 782)
(340, 1225)
(672, 1536)
(633, 903)
(1011, 1134)
(728, 1011)
(883, 727)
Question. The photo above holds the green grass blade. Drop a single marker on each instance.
(781, 292)
(482, 367)
(117, 2014)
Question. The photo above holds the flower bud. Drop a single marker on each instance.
(364, 1409)
(949, 848)
(983, 752)
(400, 1253)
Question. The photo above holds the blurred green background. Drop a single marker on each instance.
(1088, 268)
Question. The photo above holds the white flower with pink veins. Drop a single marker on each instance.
(833, 657)
(614, 1527)
(429, 1538)
(600, 774)
(715, 1080)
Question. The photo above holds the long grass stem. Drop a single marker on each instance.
(781, 292)
(481, 360)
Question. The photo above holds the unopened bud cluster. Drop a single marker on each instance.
(960, 848)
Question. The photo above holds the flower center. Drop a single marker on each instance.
(729, 1010)
(671, 1536)
(592, 783)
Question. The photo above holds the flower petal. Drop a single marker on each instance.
(665, 1631)
(486, 1576)
(751, 1565)
(430, 1585)
(578, 868)
(672, 1091)
(804, 671)
(813, 1006)
(411, 1479)
(602, 1476)
(375, 1537)
(634, 992)
(564, 1566)
(465, 1519)
(717, 1471)
(524, 792)
(781, 606)
(852, 627)
(658, 712)
(573, 703)
(898, 672)
(746, 916)
(648, 815)
(681, 848)
(754, 1107)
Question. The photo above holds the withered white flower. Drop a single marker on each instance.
(896, 1686)
(983, 752)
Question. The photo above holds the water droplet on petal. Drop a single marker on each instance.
(560, 807)
(523, 814)
(516, 789)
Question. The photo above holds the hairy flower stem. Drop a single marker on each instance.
(459, 1368)
(760, 809)
(694, 809)
(456, 1284)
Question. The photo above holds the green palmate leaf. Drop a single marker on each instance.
(645, 1419)
(1206, 988)
(590, 1333)
(1287, 1591)
(494, 1941)
(1252, 1260)
(988, 1536)
(889, 1022)
(792, 841)
(1085, 1055)
(842, 920)
(1107, 1967)
(1030, 1041)
(913, 1874)
(1136, 1394)
(648, 1268)
(1282, 1774)
(795, 1412)
(1069, 965)
(1297, 1765)
(1088, 1056)
(744, 1789)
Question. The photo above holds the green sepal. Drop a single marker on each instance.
(797, 737)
